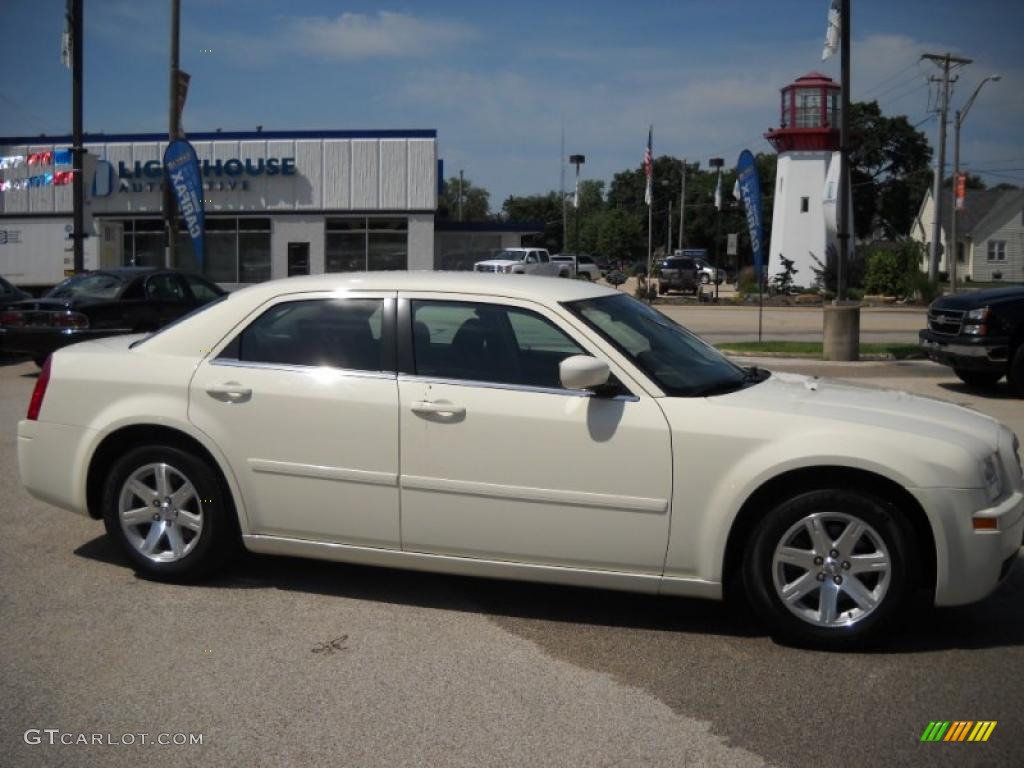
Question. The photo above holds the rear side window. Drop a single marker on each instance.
(340, 333)
(202, 290)
(165, 288)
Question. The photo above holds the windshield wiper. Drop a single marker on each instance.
(751, 375)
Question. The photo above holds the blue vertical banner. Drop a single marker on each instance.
(182, 168)
(750, 190)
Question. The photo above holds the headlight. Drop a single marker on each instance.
(992, 476)
(979, 315)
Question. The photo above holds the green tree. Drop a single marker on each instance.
(475, 201)
(543, 209)
(889, 163)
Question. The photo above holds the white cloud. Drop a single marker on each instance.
(383, 35)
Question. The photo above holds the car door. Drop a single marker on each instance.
(531, 263)
(500, 462)
(304, 403)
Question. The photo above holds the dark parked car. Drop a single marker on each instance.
(980, 335)
(10, 293)
(678, 273)
(106, 302)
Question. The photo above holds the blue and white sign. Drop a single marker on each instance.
(750, 190)
(182, 167)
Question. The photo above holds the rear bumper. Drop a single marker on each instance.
(52, 461)
(970, 564)
(40, 342)
(974, 353)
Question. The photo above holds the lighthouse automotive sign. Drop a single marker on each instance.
(182, 168)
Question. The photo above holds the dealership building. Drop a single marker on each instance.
(277, 203)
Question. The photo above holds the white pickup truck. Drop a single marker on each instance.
(524, 261)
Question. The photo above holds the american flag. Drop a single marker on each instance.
(649, 167)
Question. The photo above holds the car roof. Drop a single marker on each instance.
(511, 286)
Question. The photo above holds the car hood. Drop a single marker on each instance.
(973, 299)
(498, 263)
(892, 410)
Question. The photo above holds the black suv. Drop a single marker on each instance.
(980, 335)
(678, 273)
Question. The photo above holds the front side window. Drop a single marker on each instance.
(340, 333)
(488, 343)
(681, 363)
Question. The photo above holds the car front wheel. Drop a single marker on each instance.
(167, 511)
(831, 569)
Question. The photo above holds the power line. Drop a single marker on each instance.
(892, 77)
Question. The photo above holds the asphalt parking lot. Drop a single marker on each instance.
(289, 662)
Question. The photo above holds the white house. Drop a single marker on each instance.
(990, 234)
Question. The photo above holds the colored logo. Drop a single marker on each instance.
(958, 730)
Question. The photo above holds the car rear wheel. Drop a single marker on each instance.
(978, 378)
(831, 569)
(167, 511)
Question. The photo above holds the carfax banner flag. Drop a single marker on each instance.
(750, 190)
(182, 168)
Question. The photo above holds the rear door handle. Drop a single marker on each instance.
(440, 409)
(229, 392)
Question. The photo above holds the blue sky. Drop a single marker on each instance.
(498, 80)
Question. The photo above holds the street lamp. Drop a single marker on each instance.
(577, 160)
(954, 245)
(717, 163)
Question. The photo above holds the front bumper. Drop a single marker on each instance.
(974, 353)
(40, 342)
(970, 564)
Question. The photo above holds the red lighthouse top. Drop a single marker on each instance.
(810, 116)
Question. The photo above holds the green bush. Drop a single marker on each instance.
(616, 278)
(895, 272)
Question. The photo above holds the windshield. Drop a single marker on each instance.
(91, 286)
(682, 364)
(512, 255)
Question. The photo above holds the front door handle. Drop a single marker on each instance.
(438, 409)
(229, 392)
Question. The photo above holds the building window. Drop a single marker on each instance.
(997, 250)
(461, 250)
(357, 243)
(235, 250)
(805, 204)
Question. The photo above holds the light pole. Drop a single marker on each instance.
(961, 115)
(577, 160)
(717, 163)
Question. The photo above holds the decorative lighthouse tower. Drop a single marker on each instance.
(807, 177)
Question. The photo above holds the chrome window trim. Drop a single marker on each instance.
(295, 368)
(416, 379)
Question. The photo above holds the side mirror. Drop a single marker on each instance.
(583, 372)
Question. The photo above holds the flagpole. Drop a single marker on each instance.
(649, 157)
(78, 189)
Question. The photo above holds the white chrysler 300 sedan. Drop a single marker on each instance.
(526, 428)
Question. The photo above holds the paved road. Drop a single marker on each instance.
(288, 662)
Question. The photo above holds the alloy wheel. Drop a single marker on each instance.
(160, 512)
(831, 569)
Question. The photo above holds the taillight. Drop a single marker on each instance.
(70, 320)
(36, 403)
(12, 319)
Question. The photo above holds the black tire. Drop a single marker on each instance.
(214, 543)
(978, 378)
(586, 276)
(900, 582)
(1015, 374)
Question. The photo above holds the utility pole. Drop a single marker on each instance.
(947, 62)
(561, 184)
(682, 205)
(577, 160)
(668, 231)
(845, 188)
(77, 150)
(460, 194)
(717, 163)
(173, 132)
(958, 192)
